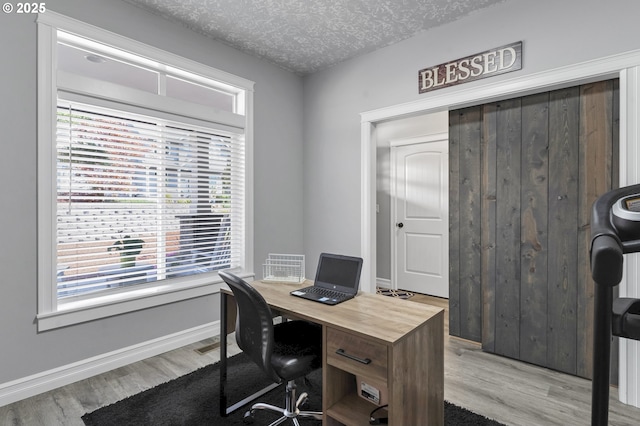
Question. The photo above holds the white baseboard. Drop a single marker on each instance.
(26, 387)
(383, 282)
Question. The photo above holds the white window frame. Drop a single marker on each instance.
(51, 313)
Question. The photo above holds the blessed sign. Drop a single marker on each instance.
(481, 65)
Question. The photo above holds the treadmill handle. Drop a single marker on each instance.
(606, 260)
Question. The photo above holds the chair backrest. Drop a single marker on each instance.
(254, 323)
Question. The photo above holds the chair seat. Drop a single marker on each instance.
(298, 349)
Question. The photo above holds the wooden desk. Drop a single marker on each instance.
(403, 340)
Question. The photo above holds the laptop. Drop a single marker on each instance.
(337, 280)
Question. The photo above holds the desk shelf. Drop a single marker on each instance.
(351, 410)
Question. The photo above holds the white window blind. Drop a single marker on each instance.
(141, 199)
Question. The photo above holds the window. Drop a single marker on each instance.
(143, 161)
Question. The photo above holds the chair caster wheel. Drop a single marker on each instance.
(248, 418)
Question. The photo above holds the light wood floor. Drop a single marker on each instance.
(509, 391)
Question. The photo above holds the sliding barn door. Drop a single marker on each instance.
(523, 175)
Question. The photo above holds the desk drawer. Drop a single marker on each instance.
(357, 355)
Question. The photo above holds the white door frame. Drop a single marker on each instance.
(438, 137)
(625, 66)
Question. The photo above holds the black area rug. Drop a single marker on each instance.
(193, 400)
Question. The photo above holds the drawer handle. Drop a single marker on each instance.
(353, 357)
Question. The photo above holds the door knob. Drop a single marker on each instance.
(400, 225)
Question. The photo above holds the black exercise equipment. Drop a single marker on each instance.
(615, 231)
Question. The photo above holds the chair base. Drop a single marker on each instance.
(290, 412)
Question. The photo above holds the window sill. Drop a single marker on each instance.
(79, 311)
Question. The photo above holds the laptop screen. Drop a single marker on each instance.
(338, 272)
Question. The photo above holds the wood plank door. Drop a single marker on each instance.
(523, 175)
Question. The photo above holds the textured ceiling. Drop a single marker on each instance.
(305, 36)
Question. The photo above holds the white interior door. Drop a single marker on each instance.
(420, 215)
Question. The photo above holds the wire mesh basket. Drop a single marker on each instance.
(284, 268)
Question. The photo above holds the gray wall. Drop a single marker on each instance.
(554, 34)
(278, 176)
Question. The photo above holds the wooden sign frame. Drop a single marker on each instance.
(486, 64)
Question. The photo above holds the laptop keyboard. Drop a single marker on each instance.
(331, 294)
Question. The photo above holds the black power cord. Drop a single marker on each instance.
(379, 420)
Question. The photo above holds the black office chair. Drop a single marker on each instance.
(285, 352)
